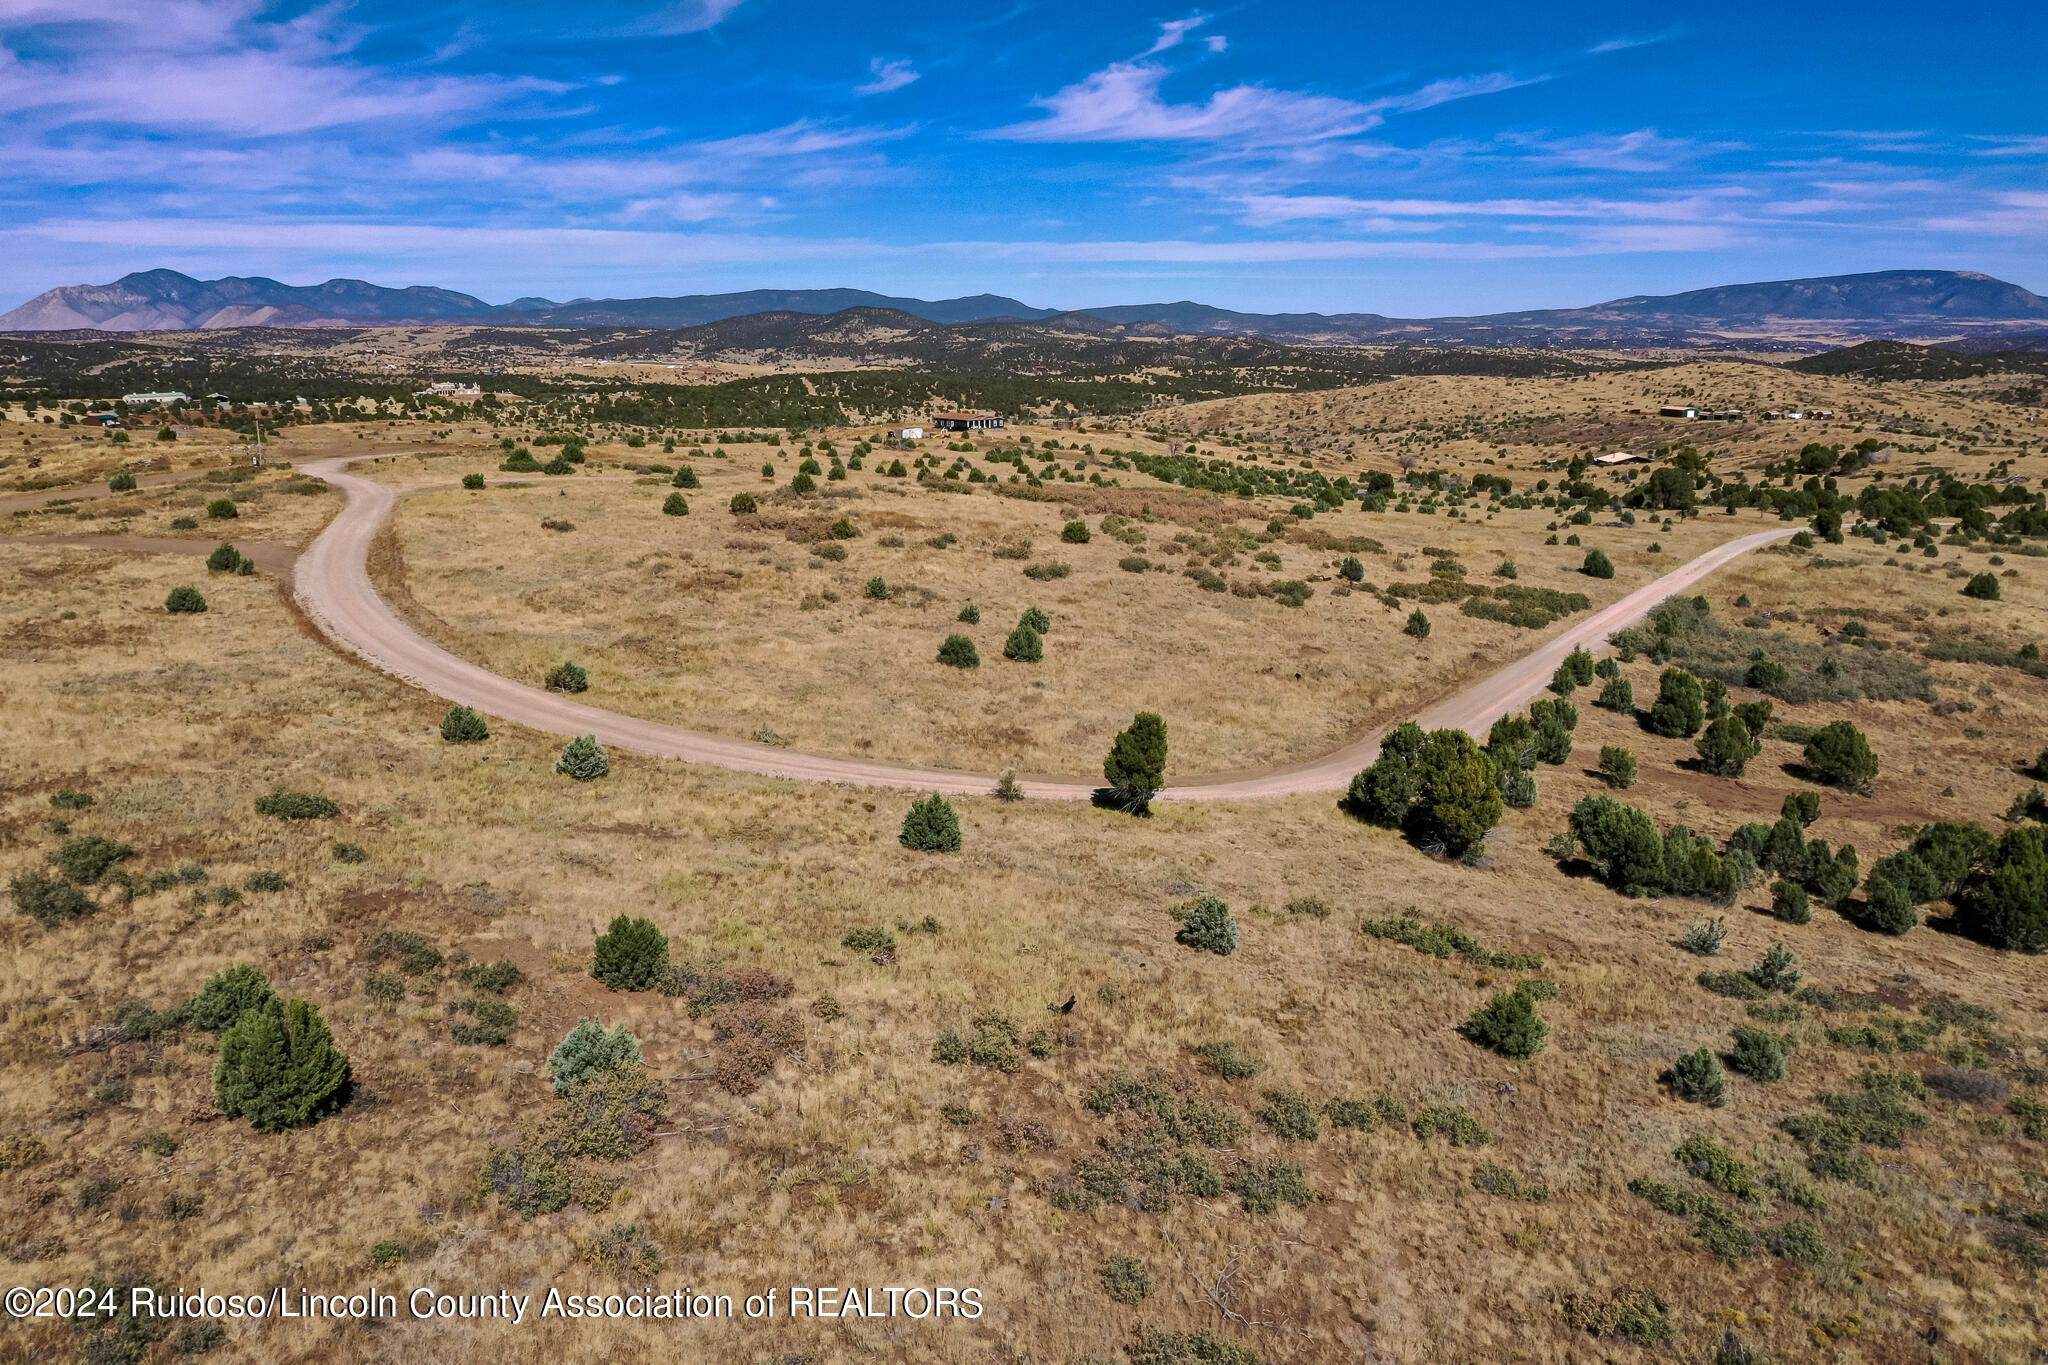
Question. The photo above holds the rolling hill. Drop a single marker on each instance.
(1902, 304)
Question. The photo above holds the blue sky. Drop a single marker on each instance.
(1406, 159)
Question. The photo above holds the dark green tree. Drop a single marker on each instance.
(931, 826)
(279, 1068)
(227, 996)
(1680, 708)
(1024, 646)
(583, 758)
(1983, 587)
(1726, 747)
(631, 955)
(1457, 793)
(1418, 625)
(1383, 792)
(959, 652)
(1509, 1024)
(184, 600)
(1839, 755)
(1597, 565)
(1136, 767)
(464, 726)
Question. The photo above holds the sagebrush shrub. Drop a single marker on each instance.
(587, 1052)
(1225, 1060)
(1125, 1279)
(1209, 927)
(630, 955)
(49, 901)
(1292, 1115)
(289, 805)
(483, 1022)
(89, 857)
(567, 677)
(583, 758)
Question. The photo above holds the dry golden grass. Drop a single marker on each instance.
(732, 625)
(840, 1169)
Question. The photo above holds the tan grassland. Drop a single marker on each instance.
(840, 1168)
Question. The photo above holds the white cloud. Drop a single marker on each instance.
(888, 75)
(1644, 150)
(222, 69)
(687, 16)
(1123, 102)
(1624, 44)
(1173, 33)
(2014, 146)
(2015, 214)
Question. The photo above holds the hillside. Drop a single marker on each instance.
(1922, 304)
(1900, 360)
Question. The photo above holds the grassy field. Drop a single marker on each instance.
(737, 626)
(846, 1161)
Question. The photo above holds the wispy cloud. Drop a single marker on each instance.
(1173, 33)
(1124, 102)
(2013, 146)
(687, 16)
(1644, 150)
(888, 75)
(1624, 44)
(221, 69)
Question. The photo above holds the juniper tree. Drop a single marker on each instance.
(464, 726)
(1136, 766)
(931, 825)
(279, 1067)
(631, 955)
(1024, 645)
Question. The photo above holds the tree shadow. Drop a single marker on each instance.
(1109, 798)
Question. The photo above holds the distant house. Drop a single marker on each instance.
(968, 421)
(105, 419)
(174, 397)
(446, 390)
(1687, 413)
(905, 433)
(1621, 457)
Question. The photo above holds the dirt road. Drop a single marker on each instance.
(332, 586)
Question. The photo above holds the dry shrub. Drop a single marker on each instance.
(749, 1040)
(606, 1118)
(1963, 1085)
(1025, 1135)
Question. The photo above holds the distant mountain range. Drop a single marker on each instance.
(1890, 303)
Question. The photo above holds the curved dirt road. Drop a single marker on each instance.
(332, 586)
